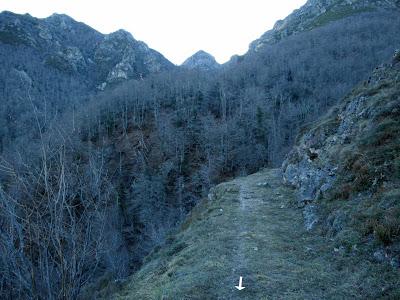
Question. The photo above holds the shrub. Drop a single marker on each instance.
(388, 230)
(342, 192)
(382, 234)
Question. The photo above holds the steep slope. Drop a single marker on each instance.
(296, 79)
(317, 13)
(201, 60)
(345, 169)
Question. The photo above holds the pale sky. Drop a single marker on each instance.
(176, 28)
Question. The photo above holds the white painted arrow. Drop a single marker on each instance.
(240, 287)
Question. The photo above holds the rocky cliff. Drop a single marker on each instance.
(317, 13)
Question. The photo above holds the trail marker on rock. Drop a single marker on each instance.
(240, 287)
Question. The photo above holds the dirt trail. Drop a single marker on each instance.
(248, 203)
(276, 256)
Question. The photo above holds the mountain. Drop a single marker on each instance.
(316, 13)
(345, 169)
(201, 60)
(104, 192)
(75, 49)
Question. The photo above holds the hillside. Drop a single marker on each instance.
(253, 227)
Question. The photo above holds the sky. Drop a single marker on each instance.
(176, 28)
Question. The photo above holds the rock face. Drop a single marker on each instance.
(75, 48)
(121, 57)
(317, 13)
(201, 60)
(313, 164)
(352, 155)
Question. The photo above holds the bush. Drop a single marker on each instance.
(382, 234)
(388, 229)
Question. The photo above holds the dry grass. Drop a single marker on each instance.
(262, 240)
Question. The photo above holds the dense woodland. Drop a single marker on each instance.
(90, 182)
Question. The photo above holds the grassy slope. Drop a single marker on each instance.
(337, 14)
(252, 229)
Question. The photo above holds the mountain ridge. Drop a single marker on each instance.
(72, 46)
(315, 13)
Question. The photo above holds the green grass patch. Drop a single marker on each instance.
(338, 13)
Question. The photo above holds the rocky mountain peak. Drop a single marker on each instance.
(201, 60)
(60, 17)
(63, 22)
(120, 34)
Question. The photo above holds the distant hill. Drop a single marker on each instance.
(201, 60)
